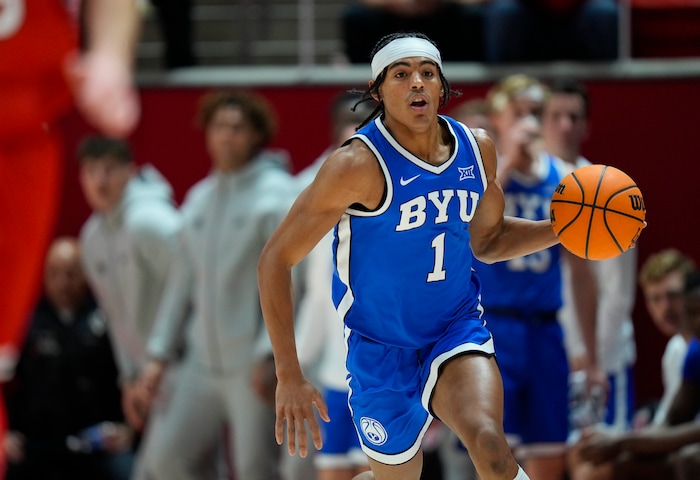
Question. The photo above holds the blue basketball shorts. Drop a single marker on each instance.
(535, 371)
(621, 401)
(341, 447)
(391, 387)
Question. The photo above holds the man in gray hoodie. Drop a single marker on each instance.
(128, 244)
(227, 218)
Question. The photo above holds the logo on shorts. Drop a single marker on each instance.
(373, 431)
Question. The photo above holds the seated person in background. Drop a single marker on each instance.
(543, 30)
(662, 277)
(66, 382)
(670, 450)
(455, 25)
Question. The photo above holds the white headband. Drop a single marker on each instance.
(402, 48)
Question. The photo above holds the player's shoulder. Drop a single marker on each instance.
(482, 138)
(353, 172)
(355, 154)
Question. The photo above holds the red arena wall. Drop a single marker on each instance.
(646, 127)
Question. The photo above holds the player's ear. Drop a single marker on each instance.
(375, 96)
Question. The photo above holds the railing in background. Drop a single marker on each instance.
(307, 33)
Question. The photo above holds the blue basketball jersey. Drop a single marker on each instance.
(404, 271)
(691, 364)
(531, 283)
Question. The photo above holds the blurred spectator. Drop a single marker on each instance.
(670, 450)
(453, 24)
(127, 248)
(212, 303)
(544, 30)
(175, 22)
(65, 383)
(474, 113)
(662, 281)
(662, 278)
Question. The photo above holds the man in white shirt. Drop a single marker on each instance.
(662, 281)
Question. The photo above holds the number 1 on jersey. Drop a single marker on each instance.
(438, 272)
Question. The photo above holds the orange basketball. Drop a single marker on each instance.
(597, 212)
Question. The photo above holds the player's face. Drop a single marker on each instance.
(230, 138)
(104, 180)
(412, 91)
(564, 122)
(664, 301)
(64, 282)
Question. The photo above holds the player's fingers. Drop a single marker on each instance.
(279, 429)
(301, 430)
(291, 435)
(322, 408)
(315, 430)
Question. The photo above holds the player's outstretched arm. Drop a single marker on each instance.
(102, 77)
(495, 237)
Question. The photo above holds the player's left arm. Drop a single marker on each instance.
(585, 299)
(495, 237)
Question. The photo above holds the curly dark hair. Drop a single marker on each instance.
(95, 147)
(368, 95)
(255, 107)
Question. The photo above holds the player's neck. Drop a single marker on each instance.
(433, 145)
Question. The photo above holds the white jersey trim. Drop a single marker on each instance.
(387, 181)
(411, 157)
(343, 264)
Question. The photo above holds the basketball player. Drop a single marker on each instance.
(564, 129)
(522, 296)
(37, 39)
(413, 197)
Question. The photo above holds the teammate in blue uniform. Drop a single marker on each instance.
(522, 296)
(413, 197)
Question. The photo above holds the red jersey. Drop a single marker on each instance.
(36, 36)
